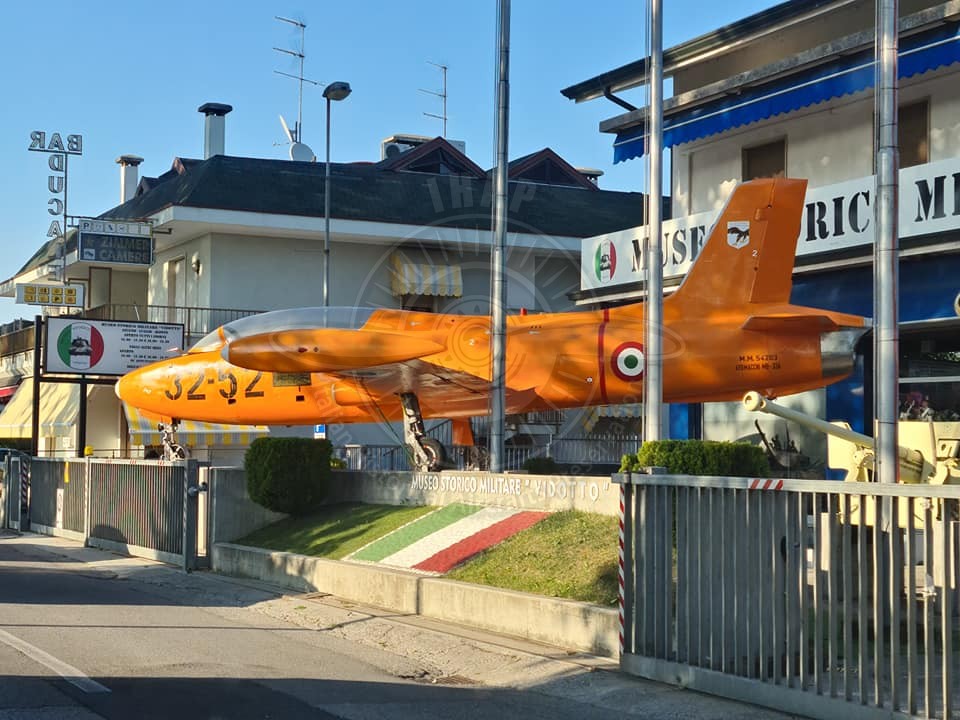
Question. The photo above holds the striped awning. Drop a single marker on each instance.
(59, 407)
(630, 410)
(410, 278)
(192, 433)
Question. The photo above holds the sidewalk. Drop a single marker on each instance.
(423, 650)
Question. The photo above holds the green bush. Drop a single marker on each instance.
(288, 475)
(700, 457)
(541, 466)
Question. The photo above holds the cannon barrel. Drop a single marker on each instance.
(912, 466)
(755, 402)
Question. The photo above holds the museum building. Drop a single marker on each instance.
(789, 92)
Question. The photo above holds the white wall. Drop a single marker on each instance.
(103, 420)
(829, 143)
(128, 287)
(730, 422)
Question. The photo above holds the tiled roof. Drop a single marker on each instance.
(367, 192)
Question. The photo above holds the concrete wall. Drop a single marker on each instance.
(232, 513)
(563, 623)
(530, 492)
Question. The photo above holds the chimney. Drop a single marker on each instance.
(213, 132)
(128, 176)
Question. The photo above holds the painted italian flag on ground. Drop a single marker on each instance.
(441, 540)
(80, 346)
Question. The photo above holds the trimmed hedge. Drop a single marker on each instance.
(700, 457)
(288, 475)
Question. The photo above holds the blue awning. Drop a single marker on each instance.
(843, 76)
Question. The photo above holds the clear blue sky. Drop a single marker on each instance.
(129, 77)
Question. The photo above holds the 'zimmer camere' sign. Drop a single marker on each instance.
(126, 243)
(106, 347)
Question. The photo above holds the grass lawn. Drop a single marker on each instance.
(335, 531)
(569, 554)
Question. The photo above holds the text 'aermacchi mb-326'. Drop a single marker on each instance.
(728, 329)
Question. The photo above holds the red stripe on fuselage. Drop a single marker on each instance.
(601, 362)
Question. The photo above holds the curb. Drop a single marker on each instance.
(562, 623)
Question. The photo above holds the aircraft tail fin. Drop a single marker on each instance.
(749, 254)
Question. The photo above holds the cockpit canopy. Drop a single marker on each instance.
(343, 318)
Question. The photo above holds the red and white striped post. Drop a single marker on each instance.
(621, 591)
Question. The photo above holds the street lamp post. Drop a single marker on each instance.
(333, 91)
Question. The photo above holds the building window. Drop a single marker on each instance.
(764, 161)
(913, 134)
(930, 375)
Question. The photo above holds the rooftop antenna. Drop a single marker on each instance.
(297, 134)
(442, 95)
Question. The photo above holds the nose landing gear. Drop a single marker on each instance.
(428, 454)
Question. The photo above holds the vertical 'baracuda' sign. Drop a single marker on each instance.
(57, 180)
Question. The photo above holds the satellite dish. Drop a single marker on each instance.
(301, 152)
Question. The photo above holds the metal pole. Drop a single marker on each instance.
(300, 96)
(653, 376)
(62, 254)
(82, 419)
(326, 219)
(885, 261)
(498, 244)
(38, 325)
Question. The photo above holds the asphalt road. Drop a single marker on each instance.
(86, 635)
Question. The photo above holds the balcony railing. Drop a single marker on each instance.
(19, 341)
(196, 321)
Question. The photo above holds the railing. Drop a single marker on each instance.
(196, 321)
(146, 508)
(785, 593)
(604, 450)
(18, 341)
(597, 450)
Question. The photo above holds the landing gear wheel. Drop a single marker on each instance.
(435, 452)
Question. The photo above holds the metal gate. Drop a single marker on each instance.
(784, 593)
(146, 508)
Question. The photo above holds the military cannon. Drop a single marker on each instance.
(929, 452)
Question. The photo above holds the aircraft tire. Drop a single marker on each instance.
(436, 453)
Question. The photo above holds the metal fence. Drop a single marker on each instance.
(601, 450)
(785, 593)
(147, 508)
(138, 505)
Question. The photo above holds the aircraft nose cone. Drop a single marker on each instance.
(124, 386)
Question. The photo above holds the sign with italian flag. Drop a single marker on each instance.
(76, 345)
(80, 346)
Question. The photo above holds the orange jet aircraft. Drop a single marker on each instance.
(728, 329)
